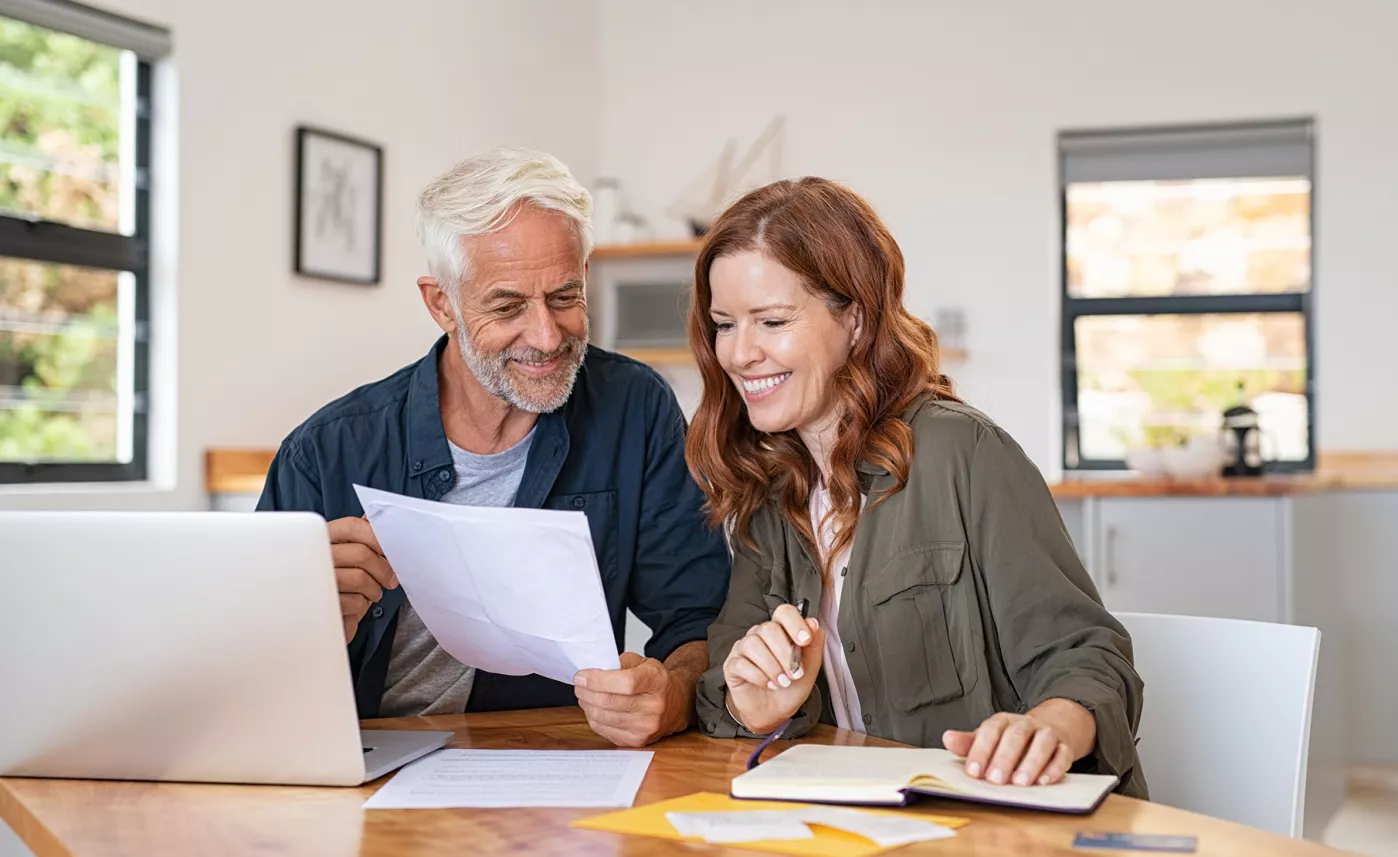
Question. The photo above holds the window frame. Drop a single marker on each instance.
(1072, 308)
(35, 239)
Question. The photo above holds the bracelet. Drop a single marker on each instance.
(729, 708)
(766, 742)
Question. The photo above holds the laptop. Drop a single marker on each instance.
(180, 646)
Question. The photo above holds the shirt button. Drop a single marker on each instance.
(868, 718)
(417, 465)
(849, 647)
(579, 502)
(443, 475)
(377, 612)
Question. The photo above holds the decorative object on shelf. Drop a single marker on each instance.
(632, 228)
(339, 207)
(613, 221)
(606, 207)
(702, 201)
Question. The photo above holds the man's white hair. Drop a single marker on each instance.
(483, 194)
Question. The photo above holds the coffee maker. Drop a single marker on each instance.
(1242, 442)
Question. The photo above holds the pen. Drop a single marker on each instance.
(795, 664)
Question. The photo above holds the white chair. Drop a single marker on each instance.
(1226, 724)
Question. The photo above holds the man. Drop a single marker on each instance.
(512, 407)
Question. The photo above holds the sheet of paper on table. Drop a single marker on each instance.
(510, 591)
(720, 827)
(652, 819)
(884, 830)
(513, 778)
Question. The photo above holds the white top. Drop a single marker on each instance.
(843, 697)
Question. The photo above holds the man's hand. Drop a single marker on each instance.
(361, 572)
(645, 700)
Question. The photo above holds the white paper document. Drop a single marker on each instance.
(886, 831)
(513, 778)
(510, 591)
(753, 826)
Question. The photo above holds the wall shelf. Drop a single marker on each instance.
(647, 250)
(660, 356)
(682, 356)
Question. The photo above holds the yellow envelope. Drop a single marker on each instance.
(649, 820)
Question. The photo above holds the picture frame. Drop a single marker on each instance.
(339, 207)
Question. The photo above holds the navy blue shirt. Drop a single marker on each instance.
(615, 451)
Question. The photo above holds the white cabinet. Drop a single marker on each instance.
(1197, 556)
(1273, 559)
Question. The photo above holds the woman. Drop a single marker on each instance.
(945, 602)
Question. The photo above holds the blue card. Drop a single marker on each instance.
(1137, 842)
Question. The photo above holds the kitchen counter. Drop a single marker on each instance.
(243, 471)
(1342, 471)
(236, 471)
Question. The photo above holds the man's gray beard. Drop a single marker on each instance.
(493, 373)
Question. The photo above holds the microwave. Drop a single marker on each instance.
(649, 314)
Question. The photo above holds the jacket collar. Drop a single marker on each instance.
(868, 471)
(427, 439)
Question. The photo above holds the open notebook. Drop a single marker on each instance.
(893, 775)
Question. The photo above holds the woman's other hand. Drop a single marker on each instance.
(764, 688)
(1026, 749)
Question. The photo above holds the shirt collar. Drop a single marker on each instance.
(427, 439)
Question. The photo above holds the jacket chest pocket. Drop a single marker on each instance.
(600, 509)
(918, 652)
(779, 586)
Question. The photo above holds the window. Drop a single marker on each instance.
(1187, 281)
(75, 149)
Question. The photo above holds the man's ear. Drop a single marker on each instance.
(438, 303)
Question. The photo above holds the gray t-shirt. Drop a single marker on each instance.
(422, 678)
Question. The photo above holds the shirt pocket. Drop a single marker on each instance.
(600, 509)
(917, 659)
(779, 589)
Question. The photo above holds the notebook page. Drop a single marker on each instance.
(815, 772)
(1075, 791)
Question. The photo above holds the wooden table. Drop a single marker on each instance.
(73, 817)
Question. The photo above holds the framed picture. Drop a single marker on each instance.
(339, 207)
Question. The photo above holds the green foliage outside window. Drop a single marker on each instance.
(60, 127)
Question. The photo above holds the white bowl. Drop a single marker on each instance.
(1147, 461)
(1191, 463)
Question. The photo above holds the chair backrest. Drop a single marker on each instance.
(1226, 723)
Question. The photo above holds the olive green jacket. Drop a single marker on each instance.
(963, 597)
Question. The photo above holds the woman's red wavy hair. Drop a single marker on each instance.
(830, 237)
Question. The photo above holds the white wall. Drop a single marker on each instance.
(944, 114)
(258, 348)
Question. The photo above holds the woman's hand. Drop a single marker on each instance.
(763, 688)
(1027, 749)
